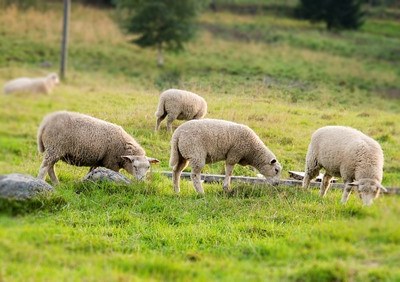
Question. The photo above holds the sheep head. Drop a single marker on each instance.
(368, 189)
(53, 77)
(271, 168)
(138, 165)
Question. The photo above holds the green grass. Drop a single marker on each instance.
(283, 77)
(144, 231)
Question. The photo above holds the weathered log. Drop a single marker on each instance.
(210, 178)
(299, 175)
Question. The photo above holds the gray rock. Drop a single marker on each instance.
(22, 186)
(105, 174)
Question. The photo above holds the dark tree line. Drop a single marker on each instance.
(337, 14)
(109, 3)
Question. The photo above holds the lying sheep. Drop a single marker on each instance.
(181, 105)
(210, 140)
(82, 140)
(348, 153)
(32, 85)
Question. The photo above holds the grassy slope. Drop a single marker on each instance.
(282, 77)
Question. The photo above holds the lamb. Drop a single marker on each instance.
(82, 140)
(348, 153)
(211, 140)
(33, 85)
(181, 105)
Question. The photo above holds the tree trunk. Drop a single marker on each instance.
(160, 56)
(329, 25)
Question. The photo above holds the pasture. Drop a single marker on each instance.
(281, 76)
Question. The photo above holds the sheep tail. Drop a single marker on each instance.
(160, 109)
(174, 159)
(39, 139)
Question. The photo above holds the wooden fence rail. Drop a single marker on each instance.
(210, 178)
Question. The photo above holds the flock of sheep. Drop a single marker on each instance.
(82, 140)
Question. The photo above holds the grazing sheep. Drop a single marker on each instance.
(32, 85)
(348, 153)
(210, 140)
(181, 105)
(83, 140)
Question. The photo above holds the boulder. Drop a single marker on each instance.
(22, 186)
(105, 174)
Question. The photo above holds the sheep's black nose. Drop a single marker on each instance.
(276, 170)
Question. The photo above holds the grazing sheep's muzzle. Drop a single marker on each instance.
(275, 180)
(368, 197)
(140, 177)
(278, 169)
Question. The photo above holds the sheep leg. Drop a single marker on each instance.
(308, 176)
(170, 119)
(325, 183)
(311, 172)
(228, 174)
(197, 181)
(346, 193)
(53, 175)
(47, 166)
(176, 174)
(159, 120)
(196, 173)
(43, 170)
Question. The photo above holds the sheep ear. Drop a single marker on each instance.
(128, 158)
(152, 160)
(383, 188)
(354, 183)
(272, 161)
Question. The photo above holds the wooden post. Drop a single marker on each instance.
(64, 41)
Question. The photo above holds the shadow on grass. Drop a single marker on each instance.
(357, 212)
(112, 188)
(334, 272)
(244, 190)
(157, 269)
(13, 207)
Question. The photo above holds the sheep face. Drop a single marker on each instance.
(368, 190)
(54, 78)
(138, 165)
(271, 169)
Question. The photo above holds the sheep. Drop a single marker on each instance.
(207, 141)
(181, 105)
(348, 153)
(82, 140)
(33, 85)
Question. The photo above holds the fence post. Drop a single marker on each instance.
(64, 41)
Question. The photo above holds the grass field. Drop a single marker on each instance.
(283, 77)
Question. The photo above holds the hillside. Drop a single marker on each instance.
(281, 76)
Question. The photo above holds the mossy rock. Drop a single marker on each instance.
(22, 186)
(105, 174)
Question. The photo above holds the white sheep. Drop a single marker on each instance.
(32, 85)
(83, 140)
(211, 140)
(348, 153)
(181, 105)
